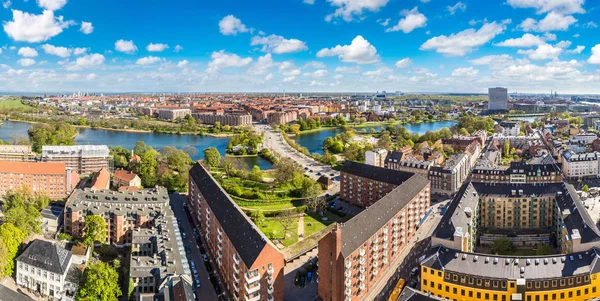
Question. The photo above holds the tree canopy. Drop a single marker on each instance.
(212, 157)
(100, 283)
(59, 133)
(95, 230)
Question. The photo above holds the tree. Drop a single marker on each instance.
(59, 133)
(312, 191)
(140, 148)
(258, 217)
(502, 246)
(385, 141)
(286, 220)
(100, 283)
(22, 209)
(585, 188)
(506, 148)
(148, 168)
(542, 249)
(352, 152)
(463, 132)
(190, 150)
(294, 129)
(212, 157)
(285, 169)
(95, 230)
(256, 174)
(11, 238)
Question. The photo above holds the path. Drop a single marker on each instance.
(301, 228)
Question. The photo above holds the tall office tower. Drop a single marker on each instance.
(497, 99)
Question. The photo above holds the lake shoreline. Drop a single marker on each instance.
(366, 125)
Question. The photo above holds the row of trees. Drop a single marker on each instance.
(248, 141)
(168, 168)
(59, 133)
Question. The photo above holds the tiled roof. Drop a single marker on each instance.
(101, 180)
(38, 168)
(376, 173)
(46, 256)
(124, 175)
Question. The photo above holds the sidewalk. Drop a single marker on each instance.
(301, 228)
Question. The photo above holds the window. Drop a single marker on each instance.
(528, 298)
(512, 285)
(495, 297)
(570, 281)
(455, 277)
(470, 294)
(424, 281)
(470, 280)
(562, 296)
(462, 292)
(478, 295)
(447, 289)
(553, 296)
(571, 294)
(578, 293)
(439, 274)
(487, 296)
(586, 291)
(554, 283)
(454, 290)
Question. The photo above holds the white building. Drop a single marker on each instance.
(510, 128)
(43, 268)
(376, 157)
(576, 166)
(587, 138)
(497, 99)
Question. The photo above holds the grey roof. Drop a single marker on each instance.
(52, 211)
(361, 227)
(46, 256)
(510, 189)
(376, 173)
(99, 202)
(411, 294)
(466, 196)
(579, 218)
(509, 267)
(75, 150)
(7, 294)
(247, 240)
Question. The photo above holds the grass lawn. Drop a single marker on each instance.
(274, 231)
(316, 222)
(11, 104)
(268, 206)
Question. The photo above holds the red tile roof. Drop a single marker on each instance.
(102, 180)
(37, 168)
(124, 175)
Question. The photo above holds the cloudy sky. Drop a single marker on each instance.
(299, 45)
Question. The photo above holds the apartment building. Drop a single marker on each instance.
(413, 165)
(576, 166)
(282, 117)
(43, 268)
(355, 254)
(173, 114)
(497, 99)
(447, 179)
(53, 179)
(123, 212)
(249, 264)
(518, 172)
(363, 185)
(509, 128)
(19, 153)
(376, 157)
(123, 178)
(157, 263)
(224, 119)
(455, 275)
(83, 159)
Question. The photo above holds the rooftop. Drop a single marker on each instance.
(375, 173)
(36, 168)
(46, 256)
(76, 150)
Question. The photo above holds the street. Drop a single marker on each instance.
(206, 291)
(274, 141)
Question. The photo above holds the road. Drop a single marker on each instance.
(206, 291)
(274, 141)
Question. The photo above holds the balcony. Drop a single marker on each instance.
(385, 253)
(362, 270)
(219, 231)
(348, 282)
(270, 290)
(252, 276)
(348, 264)
(375, 263)
(252, 287)
(236, 259)
(362, 261)
(270, 270)
(375, 272)
(375, 248)
(385, 231)
(385, 245)
(236, 287)
(362, 252)
(362, 278)
(348, 292)
(375, 255)
(385, 238)
(220, 238)
(362, 286)
(255, 297)
(270, 298)
(385, 261)
(348, 273)
(236, 277)
(375, 240)
(270, 280)
(236, 269)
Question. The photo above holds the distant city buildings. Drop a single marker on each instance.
(173, 114)
(497, 99)
(83, 159)
(224, 119)
(54, 179)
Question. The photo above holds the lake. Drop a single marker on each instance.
(314, 141)
(128, 139)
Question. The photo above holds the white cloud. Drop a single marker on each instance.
(26, 62)
(268, 77)
(542, 52)
(465, 72)
(86, 27)
(458, 6)
(51, 4)
(577, 50)
(148, 60)
(552, 22)
(549, 36)
(278, 44)
(31, 28)
(360, 51)
(182, 64)
(125, 46)
(309, 1)
(314, 65)
(156, 47)
(79, 50)
(231, 25)
(178, 48)
(6, 3)
(563, 44)
(87, 61)
(262, 65)
(91, 76)
(412, 19)
(289, 69)
(595, 58)
(590, 24)
(384, 22)
(348, 70)
(379, 72)
(222, 59)
(463, 42)
(348, 10)
(404, 63)
(544, 6)
(289, 79)
(27, 52)
(319, 73)
(527, 40)
(56, 50)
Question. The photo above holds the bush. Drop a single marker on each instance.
(65, 236)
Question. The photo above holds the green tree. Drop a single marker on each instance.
(385, 141)
(148, 168)
(585, 188)
(506, 148)
(140, 148)
(542, 249)
(285, 169)
(95, 230)
(502, 246)
(212, 157)
(352, 152)
(11, 238)
(294, 129)
(312, 191)
(22, 209)
(59, 133)
(100, 283)
(258, 217)
(256, 174)
(463, 132)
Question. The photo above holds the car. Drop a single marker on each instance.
(305, 168)
(319, 173)
(302, 281)
(208, 266)
(198, 284)
(332, 174)
(205, 257)
(195, 230)
(193, 264)
(195, 272)
(309, 276)
(183, 235)
(188, 249)
(413, 284)
(202, 251)
(414, 271)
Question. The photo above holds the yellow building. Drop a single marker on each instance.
(454, 275)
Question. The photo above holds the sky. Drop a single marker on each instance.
(466, 46)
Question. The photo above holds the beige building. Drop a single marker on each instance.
(16, 153)
(224, 119)
(172, 114)
(84, 159)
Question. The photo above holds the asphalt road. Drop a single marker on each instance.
(206, 291)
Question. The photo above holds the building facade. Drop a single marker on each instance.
(83, 159)
(43, 268)
(575, 166)
(355, 254)
(122, 212)
(376, 157)
(53, 179)
(497, 99)
(19, 153)
(518, 172)
(125, 178)
(224, 119)
(249, 264)
(173, 114)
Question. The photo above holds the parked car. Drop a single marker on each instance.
(414, 271)
(205, 257)
(302, 281)
(188, 249)
(195, 272)
(193, 264)
(198, 284)
(309, 276)
(183, 235)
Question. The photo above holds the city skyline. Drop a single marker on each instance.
(302, 46)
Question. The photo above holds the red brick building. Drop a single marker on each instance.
(53, 179)
(363, 185)
(249, 264)
(355, 254)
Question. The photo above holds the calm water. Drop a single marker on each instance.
(314, 141)
(128, 140)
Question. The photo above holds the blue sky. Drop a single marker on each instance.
(299, 45)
